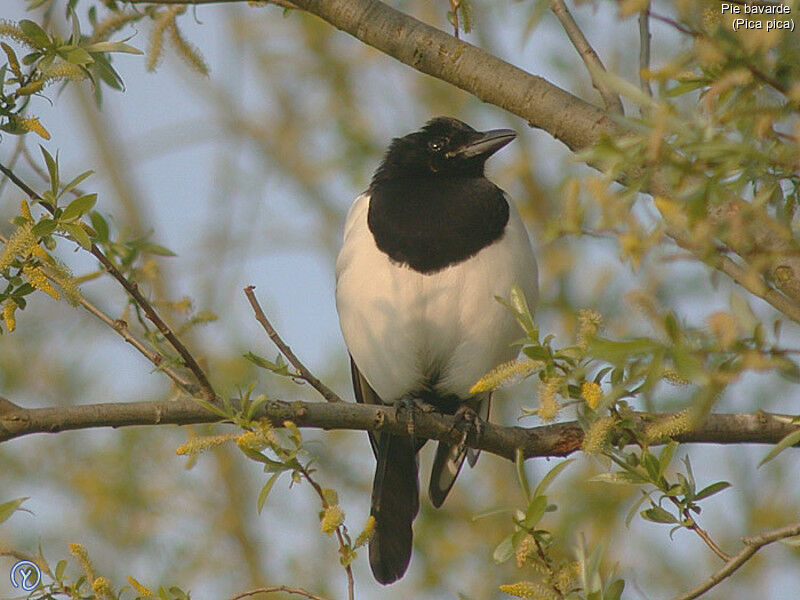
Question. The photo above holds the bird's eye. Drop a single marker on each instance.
(438, 144)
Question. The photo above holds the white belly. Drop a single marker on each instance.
(443, 331)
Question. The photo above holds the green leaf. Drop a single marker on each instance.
(112, 47)
(541, 488)
(157, 249)
(712, 489)
(666, 457)
(789, 440)
(78, 234)
(78, 56)
(36, 34)
(276, 367)
(657, 514)
(504, 550)
(522, 476)
(78, 207)
(52, 169)
(634, 509)
(9, 508)
(520, 306)
(618, 351)
(262, 495)
(614, 591)
(535, 511)
(60, 567)
(683, 88)
(44, 228)
(621, 478)
(100, 226)
(76, 182)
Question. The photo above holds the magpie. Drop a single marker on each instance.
(427, 248)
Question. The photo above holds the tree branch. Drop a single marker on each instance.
(560, 439)
(573, 121)
(121, 327)
(588, 55)
(304, 373)
(751, 546)
(133, 290)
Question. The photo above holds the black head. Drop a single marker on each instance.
(444, 147)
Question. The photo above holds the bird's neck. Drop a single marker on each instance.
(430, 223)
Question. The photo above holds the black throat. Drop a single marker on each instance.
(430, 223)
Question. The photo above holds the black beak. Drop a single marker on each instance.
(485, 144)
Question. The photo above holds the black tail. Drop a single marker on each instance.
(395, 503)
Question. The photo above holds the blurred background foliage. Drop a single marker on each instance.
(246, 173)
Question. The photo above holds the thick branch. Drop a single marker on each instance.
(751, 546)
(559, 439)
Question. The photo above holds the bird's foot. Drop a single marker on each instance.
(469, 425)
(406, 410)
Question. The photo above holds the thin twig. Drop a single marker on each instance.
(279, 588)
(339, 534)
(121, 327)
(679, 26)
(19, 148)
(751, 546)
(687, 515)
(302, 372)
(695, 526)
(133, 290)
(590, 58)
(644, 51)
(454, 6)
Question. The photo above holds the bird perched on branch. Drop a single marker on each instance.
(427, 248)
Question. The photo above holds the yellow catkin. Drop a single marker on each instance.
(672, 376)
(102, 588)
(596, 437)
(25, 210)
(724, 328)
(504, 374)
(190, 54)
(262, 437)
(591, 393)
(63, 277)
(139, 588)
(529, 589)
(20, 243)
(80, 553)
(669, 426)
(156, 48)
(332, 518)
(37, 278)
(589, 322)
(366, 534)
(112, 24)
(197, 445)
(8, 315)
(62, 71)
(548, 399)
(526, 546)
(30, 123)
(568, 576)
(9, 29)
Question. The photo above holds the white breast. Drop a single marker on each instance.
(405, 329)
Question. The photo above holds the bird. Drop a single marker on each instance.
(427, 250)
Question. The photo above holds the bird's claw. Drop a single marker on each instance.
(469, 425)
